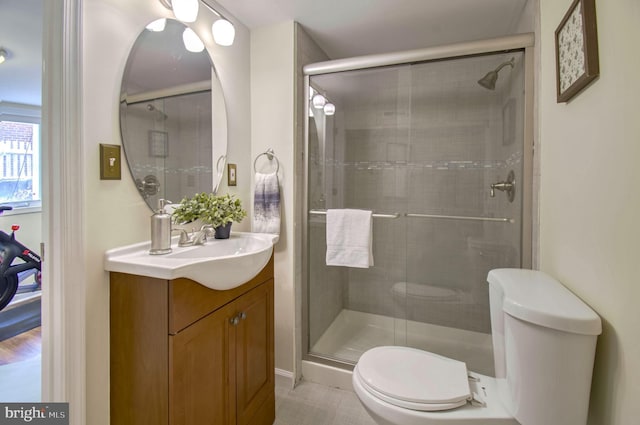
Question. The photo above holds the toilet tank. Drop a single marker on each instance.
(544, 340)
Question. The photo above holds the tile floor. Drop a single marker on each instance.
(314, 404)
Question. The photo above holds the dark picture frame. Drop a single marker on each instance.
(576, 40)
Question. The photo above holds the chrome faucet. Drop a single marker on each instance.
(199, 238)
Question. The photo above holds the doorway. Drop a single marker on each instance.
(21, 31)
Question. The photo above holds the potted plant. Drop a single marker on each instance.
(220, 211)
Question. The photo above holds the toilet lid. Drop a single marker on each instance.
(413, 378)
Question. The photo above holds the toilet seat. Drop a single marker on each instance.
(414, 379)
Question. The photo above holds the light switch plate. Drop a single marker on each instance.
(231, 175)
(110, 168)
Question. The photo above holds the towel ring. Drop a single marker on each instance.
(271, 156)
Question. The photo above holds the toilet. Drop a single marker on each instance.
(544, 340)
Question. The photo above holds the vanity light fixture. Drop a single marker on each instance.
(223, 32)
(191, 41)
(3, 55)
(329, 109)
(157, 25)
(187, 11)
(318, 101)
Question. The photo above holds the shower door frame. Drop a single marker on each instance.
(523, 42)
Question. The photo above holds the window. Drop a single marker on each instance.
(20, 159)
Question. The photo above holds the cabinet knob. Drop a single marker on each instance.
(243, 315)
(234, 320)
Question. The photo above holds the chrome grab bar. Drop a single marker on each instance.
(375, 215)
(462, 217)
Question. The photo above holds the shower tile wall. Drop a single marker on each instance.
(166, 134)
(430, 142)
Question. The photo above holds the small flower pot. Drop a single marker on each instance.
(223, 232)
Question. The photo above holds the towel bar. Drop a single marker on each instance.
(462, 217)
(324, 212)
(447, 217)
(271, 156)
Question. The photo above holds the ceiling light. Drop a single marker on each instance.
(185, 10)
(329, 109)
(223, 32)
(3, 55)
(191, 41)
(318, 101)
(157, 25)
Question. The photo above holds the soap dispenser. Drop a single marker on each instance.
(160, 230)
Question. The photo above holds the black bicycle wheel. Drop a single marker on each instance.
(8, 288)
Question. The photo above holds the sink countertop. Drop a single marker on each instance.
(218, 264)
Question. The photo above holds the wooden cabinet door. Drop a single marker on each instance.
(202, 361)
(254, 357)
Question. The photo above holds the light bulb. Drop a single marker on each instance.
(223, 32)
(329, 109)
(185, 10)
(318, 101)
(311, 92)
(3, 55)
(191, 41)
(157, 25)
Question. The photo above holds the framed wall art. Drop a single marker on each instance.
(576, 49)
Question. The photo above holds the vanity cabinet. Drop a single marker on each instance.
(184, 354)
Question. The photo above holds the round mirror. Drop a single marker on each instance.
(172, 116)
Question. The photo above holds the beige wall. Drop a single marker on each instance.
(278, 53)
(115, 214)
(272, 126)
(590, 198)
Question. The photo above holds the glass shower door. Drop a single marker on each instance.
(430, 151)
(354, 162)
(464, 138)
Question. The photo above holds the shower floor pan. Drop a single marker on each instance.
(353, 332)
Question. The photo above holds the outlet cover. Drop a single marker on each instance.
(231, 175)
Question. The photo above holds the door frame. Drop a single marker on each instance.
(329, 370)
(63, 297)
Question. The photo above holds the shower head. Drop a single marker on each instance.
(489, 80)
(161, 115)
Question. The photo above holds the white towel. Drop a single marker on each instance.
(266, 204)
(349, 238)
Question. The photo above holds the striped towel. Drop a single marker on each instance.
(266, 204)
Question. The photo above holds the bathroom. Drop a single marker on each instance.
(584, 183)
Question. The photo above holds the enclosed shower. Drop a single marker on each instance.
(436, 143)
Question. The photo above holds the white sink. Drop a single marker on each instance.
(218, 264)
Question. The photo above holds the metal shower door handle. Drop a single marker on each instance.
(508, 186)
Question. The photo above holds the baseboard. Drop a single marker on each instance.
(19, 319)
(284, 378)
(327, 375)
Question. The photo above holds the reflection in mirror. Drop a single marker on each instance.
(172, 117)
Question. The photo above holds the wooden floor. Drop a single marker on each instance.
(21, 347)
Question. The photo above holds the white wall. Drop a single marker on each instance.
(272, 126)
(30, 233)
(590, 198)
(115, 213)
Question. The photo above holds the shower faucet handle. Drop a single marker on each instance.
(508, 186)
